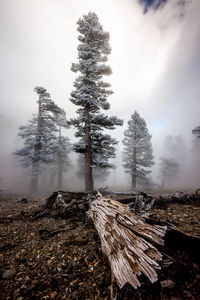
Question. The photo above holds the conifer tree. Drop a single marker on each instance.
(169, 170)
(39, 137)
(196, 131)
(90, 95)
(137, 154)
(175, 147)
(195, 157)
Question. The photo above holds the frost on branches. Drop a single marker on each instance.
(137, 154)
(90, 95)
(40, 139)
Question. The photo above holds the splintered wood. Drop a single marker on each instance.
(127, 241)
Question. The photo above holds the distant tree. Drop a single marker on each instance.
(137, 154)
(195, 157)
(169, 170)
(180, 148)
(169, 147)
(90, 95)
(175, 147)
(196, 131)
(39, 135)
(62, 149)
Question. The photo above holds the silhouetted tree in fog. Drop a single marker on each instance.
(175, 147)
(90, 95)
(39, 135)
(196, 131)
(169, 170)
(62, 149)
(137, 154)
(196, 156)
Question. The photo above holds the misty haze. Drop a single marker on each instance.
(100, 122)
(154, 62)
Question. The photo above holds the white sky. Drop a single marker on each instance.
(155, 61)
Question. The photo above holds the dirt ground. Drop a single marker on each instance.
(60, 258)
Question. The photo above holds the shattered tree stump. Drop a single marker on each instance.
(127, 241)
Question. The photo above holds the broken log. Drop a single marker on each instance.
(132, 243)
(128, 242)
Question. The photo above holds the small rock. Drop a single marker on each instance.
(52, 295)
(16, 294)
(8, 273)
(167, 283)
(24, 200)
(187, 294)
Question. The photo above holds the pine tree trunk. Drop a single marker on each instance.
(34, 180)
(60, 174)
(60, 166)
(52, 179)
(163, 182)
(34, 184)
(133, 186)
(88, 154)
(133, 182)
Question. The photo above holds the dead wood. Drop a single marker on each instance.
(132, 243)
(40, 215)
(67, 196)
(127, 241)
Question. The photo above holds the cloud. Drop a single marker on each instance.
(152, 4)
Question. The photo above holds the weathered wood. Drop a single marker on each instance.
(132, 243)
(127, 241)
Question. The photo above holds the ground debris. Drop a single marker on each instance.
(167, 283)
(70, 265)
(8, 273)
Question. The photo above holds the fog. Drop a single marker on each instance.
(155, 61)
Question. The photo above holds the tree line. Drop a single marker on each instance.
(45, 148)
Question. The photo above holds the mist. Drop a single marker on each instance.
(155, 62)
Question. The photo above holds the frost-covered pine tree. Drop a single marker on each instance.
(137, 154)
(90, 95)
(39, 135)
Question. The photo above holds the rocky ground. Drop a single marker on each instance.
(54, 257)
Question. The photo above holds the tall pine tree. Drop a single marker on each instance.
(39, 135)
(137, 154)
(90, 95)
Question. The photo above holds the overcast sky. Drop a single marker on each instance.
(155, 61)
